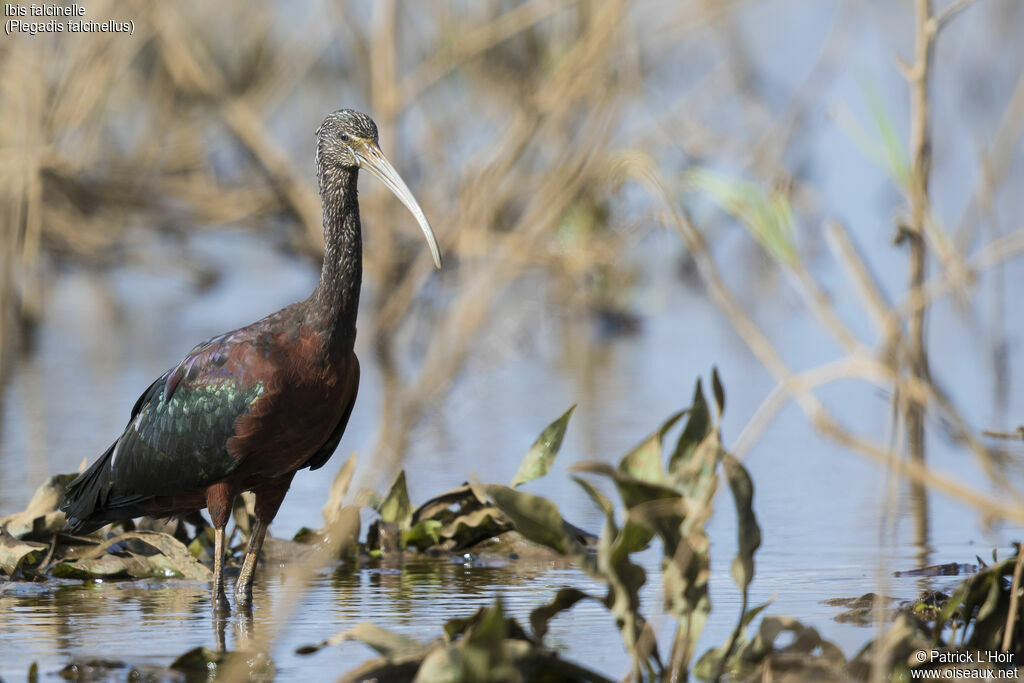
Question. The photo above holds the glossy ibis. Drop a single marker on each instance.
(245, 410)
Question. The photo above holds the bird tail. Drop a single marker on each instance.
(90, 501)
(85, 495)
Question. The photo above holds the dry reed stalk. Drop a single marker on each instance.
(913, 470)
(921, 155)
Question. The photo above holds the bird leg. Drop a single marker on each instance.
(269, 496)
(219, 499)
(220, 601)
(243, 587)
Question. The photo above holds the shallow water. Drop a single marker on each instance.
(150, 623)
(820, 507)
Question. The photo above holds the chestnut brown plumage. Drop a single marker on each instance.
(245, 410)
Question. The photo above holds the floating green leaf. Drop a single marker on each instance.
(540, 456)
(423, 534)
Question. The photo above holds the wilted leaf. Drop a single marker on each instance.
(645, 462)
(368, 498)
(719, 391)
(171, 548)
(384, 537)
(486, 648)
(808, 648)
(202, 663)
(396, 507)
(465, 497)
(477, 526)
(393, 646)
(41, 518)
(489, 628)
(751, 613)
(339, 487)
(894, 650)
(244, 512)
(661, 516)
(540, 456)
(442, 665)
(202, 546)
(599, 498)
(303, 535)
(14, 553)
(198, 659)
(625, 579)
(103, 567)
(748, 531)
(697, 428)
(536, 518)
(806, 640)
(564, 599)
(685, 580)
(710, 663)
(344, 530)
(633, 491)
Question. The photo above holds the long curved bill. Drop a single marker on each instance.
(369, 155)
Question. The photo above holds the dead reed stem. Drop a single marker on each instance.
(1012, 615)
(920, 154)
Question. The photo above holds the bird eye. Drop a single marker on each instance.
(344, 137)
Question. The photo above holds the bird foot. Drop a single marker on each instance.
(221, 606)
(243, 595)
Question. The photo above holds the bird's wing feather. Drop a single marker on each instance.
(177, 437)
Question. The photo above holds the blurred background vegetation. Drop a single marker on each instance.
(820, 196)
(856, 161)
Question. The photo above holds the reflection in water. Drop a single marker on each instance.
(151, 623)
